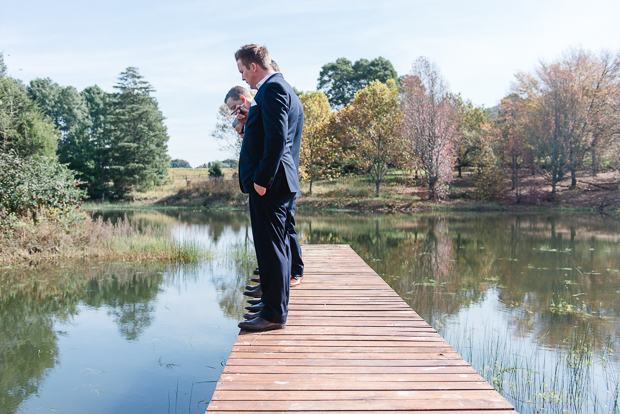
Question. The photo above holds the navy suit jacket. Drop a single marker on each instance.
(270, 149)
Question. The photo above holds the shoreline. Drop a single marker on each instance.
(400, 193)
(89, 238)
(359, 207)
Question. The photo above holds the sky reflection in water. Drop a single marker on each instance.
(107, 338)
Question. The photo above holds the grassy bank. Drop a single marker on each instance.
(400, 192)
(81, 237)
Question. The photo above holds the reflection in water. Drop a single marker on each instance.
(238, 261)
(530, 300)
(216, 223)
(27, 346)
(443, 265)
(56, 349)
(503, 286)
(128, 296)
(31, 305)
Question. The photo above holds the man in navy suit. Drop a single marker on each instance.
(268, 171)
(236, 98)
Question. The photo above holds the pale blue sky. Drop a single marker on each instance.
(185, 48)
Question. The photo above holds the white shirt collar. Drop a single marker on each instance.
(262, 81)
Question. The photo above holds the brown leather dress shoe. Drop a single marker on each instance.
(254, 301)
(296, 280)
(252, 287)
(255, 279)
(256, 293)
(250, 316)
(259, 324)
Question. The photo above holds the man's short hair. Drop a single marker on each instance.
(236, 92)
(249, 54)
(275, 66)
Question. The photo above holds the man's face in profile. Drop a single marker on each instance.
(232, 104)
(248, 74)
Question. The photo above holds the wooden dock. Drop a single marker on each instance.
(351, 344)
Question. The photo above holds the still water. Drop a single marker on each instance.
(531, 301)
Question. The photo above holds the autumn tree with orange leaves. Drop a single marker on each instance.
(572, 109)
(372, 123)
(316, 152)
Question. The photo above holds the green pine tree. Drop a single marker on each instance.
(23, 128)
(69, 111)
(215, 171)
(139, 137)
(99, 105)
(83, 122)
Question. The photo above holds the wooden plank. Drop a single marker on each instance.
(358, 362)
(391, 395)
(434, 402)
(344, 380)
(337, 306)
(366, 412)
(351, 345)
(369, 322)
(345, 356)
(336, 348)
(324, 385)
(388, 331)
(372, 313)
(377, 344)
(350, 370)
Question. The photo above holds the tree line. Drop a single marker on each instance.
(113, 142)
(558, 120)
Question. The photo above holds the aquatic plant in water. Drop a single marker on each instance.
(572, 378)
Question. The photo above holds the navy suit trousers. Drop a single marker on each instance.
(271, 216)
(297, 265)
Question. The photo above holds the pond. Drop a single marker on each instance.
(531, 301)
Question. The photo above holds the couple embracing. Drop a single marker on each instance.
(268, 172)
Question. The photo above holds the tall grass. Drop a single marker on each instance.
(140, 242)
(214, 192)
(568, 379)
(81, 236)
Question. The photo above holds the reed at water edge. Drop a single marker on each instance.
(81, 236)
(577, 376)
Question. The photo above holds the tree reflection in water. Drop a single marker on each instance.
(33, 301)
(533, 278)
(28, 348)
(30, 305)
(442, 264)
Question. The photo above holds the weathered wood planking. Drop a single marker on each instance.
(351, 345)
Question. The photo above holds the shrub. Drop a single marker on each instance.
(28, 185)
(215, 171)
(489, 181)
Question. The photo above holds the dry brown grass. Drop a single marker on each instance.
(214, 192)
(80, 237)
(179, 180)
(400, 192)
